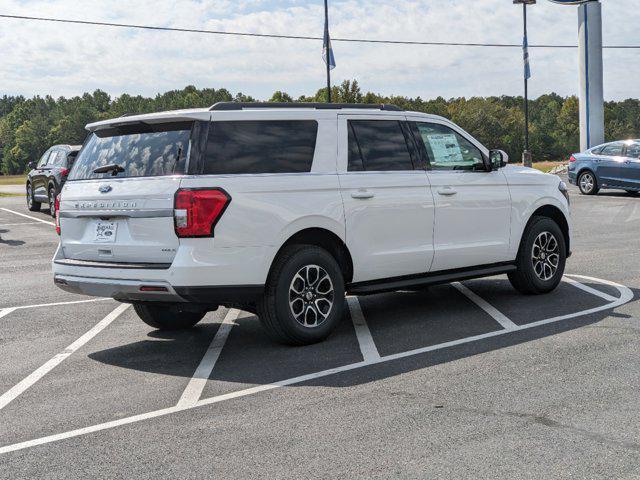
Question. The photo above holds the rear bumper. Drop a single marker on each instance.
(129, 291)
(225, 276)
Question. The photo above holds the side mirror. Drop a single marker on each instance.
(497, 159)
(31, 165)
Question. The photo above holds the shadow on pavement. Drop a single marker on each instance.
(11, 243)
(250, 358)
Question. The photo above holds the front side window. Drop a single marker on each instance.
(43, 159)
(448, 150)
(141, 150)
(264, 146)
(380, 144)
(613, 150)
(633, 150)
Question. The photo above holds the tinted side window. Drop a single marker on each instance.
(269, 146)
(633, 151)
(613, 150)
(447, 149)
(355, 158)
(382, 144)
(43, 159)
(60, 158)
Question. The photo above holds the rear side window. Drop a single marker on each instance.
(265, 146)
(142, 150)
(613, 150)
(380, 144)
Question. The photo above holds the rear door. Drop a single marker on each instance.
(42, 173)
(472, 206)
(610, 165)
(387, 199)
(126, 217)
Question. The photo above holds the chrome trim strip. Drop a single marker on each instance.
(151, 213)
(125, 265)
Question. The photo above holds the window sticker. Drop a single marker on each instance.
(445, 148)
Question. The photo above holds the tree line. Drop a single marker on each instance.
(29, 126)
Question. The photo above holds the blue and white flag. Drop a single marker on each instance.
(525, 53)
(327, 50)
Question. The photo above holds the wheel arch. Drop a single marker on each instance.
(555, 214)
(325, 239)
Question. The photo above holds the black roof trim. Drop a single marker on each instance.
(222, 106)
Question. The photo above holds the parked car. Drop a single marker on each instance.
(281, 209)
(611, 165)
(46, 178)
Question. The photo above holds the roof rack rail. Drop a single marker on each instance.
(127, 115)
(221, 106)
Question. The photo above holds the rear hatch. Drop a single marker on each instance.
(117, 205)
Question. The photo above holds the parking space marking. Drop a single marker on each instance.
(28, 216)
(588, 289)
(197, 383)
(626, 295)
(6, 311)
(36, 375)
(363, 334)
(22, 307)
(498, 316)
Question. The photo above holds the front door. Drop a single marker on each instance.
(387, 200)
(610, 165)
(631, 168)
(473, 206)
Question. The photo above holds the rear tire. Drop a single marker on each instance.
(163, 317)
(304, 297)
(588, 183)
(32, 205)
(52, 202)
(541, 258)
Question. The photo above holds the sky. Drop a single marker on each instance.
(40, 58)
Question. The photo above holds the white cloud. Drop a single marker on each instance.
(60, 59)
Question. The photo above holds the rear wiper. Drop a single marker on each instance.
(114, 168)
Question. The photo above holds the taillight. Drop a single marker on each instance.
(57, 208)
(64, 172)
(197, 210)
(572, 158)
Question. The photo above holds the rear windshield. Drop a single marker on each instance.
(141, 150)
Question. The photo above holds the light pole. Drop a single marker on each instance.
(526, 155)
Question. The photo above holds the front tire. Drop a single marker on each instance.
(32, 205)
(541, 258)
(168, 317)
(304, 298)
(588, 183)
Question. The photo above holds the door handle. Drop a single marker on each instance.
(362, 194)
(447, 191)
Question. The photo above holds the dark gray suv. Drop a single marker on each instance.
(46, 178)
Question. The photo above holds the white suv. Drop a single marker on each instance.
(281, 209)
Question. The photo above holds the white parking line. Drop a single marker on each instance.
(363, 334)
(626, 295)
(28, 216)
(588, 289)
(7, 310)
(197, 383)
(25, 384)
(486, 306)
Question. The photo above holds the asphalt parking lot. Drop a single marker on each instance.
(463, 380)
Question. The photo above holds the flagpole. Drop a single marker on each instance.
(326, 30)
(526, 155)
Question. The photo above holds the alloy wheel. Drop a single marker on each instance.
(587, 182)
(311, 296)
(29, 197)
(545, 255)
